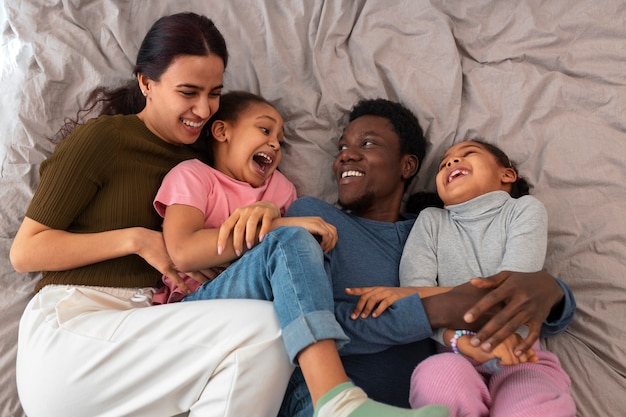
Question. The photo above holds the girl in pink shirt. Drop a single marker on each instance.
(251, 126)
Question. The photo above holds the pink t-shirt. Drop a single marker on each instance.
(194, 183)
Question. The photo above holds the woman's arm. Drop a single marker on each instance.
(37, 247)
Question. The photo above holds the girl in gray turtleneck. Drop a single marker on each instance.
(489, 224)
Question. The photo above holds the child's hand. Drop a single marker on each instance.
(325, 232)
(377, 299)
(244, 225)
(504, 352)
(525, 299)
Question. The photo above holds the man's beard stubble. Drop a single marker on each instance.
(359, 205)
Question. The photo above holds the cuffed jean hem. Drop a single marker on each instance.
(311, 328)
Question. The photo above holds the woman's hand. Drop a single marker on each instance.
(244, 226)
(38, 247)
(528, 299)
(208, 274)
(151, 247)
(325, 232)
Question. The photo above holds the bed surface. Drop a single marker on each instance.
(544, 80)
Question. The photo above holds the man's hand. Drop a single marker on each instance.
(503, 352)
(528, 299)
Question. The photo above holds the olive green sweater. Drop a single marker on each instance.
(104, 176)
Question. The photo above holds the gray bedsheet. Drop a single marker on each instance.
(546, 80)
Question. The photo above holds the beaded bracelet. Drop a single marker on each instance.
(455, 339)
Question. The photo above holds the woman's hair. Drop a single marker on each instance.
(520, 187)
(232, 104)
(404, 123)
(169, 37)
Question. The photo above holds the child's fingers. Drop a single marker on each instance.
(329, 237)
(531, 338)
(382, 306)
(364, 304)
(224, 232)
(531, 355)
(266, 224)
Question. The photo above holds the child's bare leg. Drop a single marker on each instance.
(334, 395)
(322, 368)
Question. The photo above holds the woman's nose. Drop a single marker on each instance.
(206, 107)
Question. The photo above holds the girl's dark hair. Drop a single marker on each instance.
(169, 37)
(520, 187)
(422, 199)
(404, 123)
(232, 104)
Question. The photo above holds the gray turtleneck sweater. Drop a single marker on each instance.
(478, 238)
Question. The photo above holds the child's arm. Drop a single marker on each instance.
(250, 224)
(325, 232)
(194, 248)
(266, 216)
(417, 272)
(375, 300)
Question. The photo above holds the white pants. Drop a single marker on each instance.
(87, 351)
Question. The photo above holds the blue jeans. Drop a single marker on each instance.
(288, 269)
(297, 401)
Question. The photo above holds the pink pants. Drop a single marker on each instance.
(539, 389)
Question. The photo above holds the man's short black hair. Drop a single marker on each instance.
(404, 123)
(402, 119)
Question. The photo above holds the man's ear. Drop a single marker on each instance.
(218, 130)
(508, 176)
(410, 164)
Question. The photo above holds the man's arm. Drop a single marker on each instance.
(516, 298)
(562, 313)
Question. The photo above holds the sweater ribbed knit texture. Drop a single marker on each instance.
(104, 176)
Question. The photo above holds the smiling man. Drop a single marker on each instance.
(379, 154)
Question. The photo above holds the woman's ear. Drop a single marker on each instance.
(410, 164)
(218, 130)
(145, 84)
(508, 176)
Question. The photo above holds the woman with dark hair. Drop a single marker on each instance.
(88, 344)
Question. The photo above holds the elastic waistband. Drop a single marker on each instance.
(114, 291)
